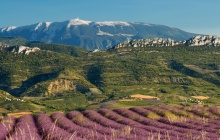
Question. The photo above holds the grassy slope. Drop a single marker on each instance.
(60, 48)
(151, 70)
(12, 41)
(118, 74)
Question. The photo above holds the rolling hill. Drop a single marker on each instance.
(54, 79)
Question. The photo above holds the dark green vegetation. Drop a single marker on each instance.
(11, 41)
(65, 49)
(72, 78)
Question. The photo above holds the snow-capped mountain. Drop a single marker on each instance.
(199, 40)
(93, 35)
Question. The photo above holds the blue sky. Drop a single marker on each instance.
(198, 16)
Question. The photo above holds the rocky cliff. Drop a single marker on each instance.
(204, 40)
(159, 42)
(18, 49)
(162, 42)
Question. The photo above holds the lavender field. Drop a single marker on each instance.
(137, 123)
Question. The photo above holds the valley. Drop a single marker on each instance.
(64, 78)
(109, 70)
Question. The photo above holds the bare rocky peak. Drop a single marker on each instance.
(204, 40)
(199, 40)
(19, 49)
(159, 42)
(24, 49)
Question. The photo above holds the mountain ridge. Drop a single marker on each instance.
(199, 40)
(93, 35)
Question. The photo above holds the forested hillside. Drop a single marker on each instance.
(59, 74)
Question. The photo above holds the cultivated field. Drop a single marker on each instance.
(140, 96)
(19, 114)
(200, 70)
(201, 97)
(137, 123)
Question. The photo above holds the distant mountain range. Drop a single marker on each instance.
(93, 35)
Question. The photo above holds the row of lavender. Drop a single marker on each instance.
(135, 123)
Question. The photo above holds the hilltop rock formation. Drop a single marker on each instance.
(163, 42)
(203, 40)
(158, 42)
(24, 49)
(18, 49)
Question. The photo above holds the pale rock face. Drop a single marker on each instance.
(96, 50)
(203, 40)
(160, 42)
(60, 86)
(24, 50)
(18, 49)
